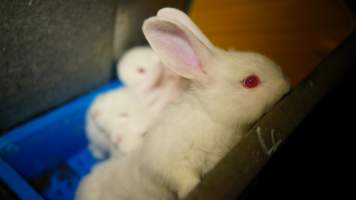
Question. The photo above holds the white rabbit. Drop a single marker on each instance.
(115, 123)
(142, 72)
(139, 68)
(153, 86)
(228, 92)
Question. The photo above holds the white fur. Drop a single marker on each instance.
(115, 123)
(150, 92)
(108, 181)
(135, 59)
(202, 125)
(142, 72)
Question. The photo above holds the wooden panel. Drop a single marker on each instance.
(295, 33)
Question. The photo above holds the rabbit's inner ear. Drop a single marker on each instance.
(181, 17)
(174, 43)
(176, 46)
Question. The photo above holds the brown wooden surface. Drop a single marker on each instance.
(297, 34)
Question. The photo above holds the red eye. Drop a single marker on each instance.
(251, 81)
(141, 70)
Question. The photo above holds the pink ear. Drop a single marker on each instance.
(179, 16)
(177, 47)
(175, 42)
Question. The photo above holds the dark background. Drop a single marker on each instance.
(315, 161)
(50, 53)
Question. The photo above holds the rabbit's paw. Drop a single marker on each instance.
(97, 152)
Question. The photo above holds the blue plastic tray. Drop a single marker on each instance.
(46, 157)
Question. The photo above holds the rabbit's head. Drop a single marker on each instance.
(230, 86)
(121, 118)
(140, 68)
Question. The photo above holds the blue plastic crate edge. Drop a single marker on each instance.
(45, 141)
(22, 189)
(23, 131)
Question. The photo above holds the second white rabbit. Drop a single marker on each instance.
(141, 71)
(116, 123)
